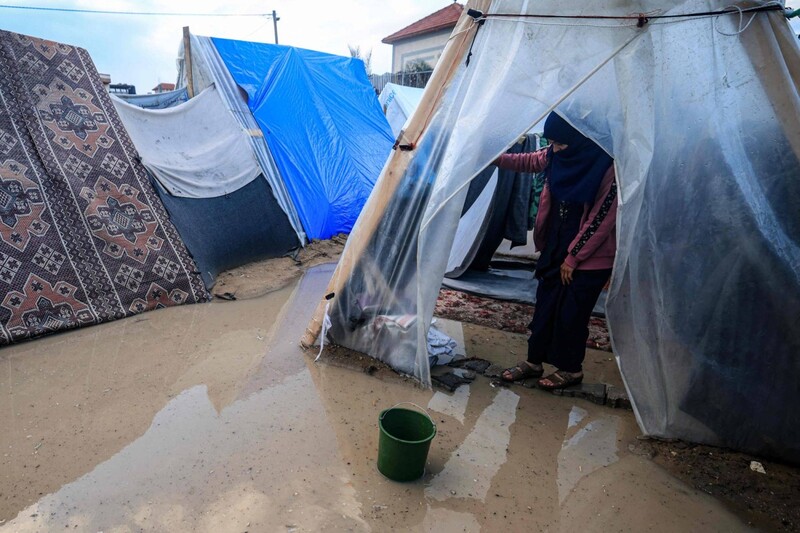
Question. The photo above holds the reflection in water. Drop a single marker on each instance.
(576, 415)
(196, 470)
(470, 470)
(592, 447)
(454, 405)
(437, 519)
(208, 418)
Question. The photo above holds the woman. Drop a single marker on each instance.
(575, 231)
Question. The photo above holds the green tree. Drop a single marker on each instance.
(366, 57)
(414, 67)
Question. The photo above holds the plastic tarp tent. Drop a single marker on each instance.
(705, 297)
(398, 103)
(484, 224)
(208, 69)
(323, 125)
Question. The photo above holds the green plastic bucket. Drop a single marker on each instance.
(405, 438)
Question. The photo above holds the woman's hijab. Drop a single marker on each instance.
(575, 173)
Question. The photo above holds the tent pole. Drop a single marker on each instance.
(398, 162)
(187, 61)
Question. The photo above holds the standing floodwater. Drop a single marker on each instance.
(210, 418)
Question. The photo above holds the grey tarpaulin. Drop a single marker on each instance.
(700, 114)
(230, 230)
(508, 284)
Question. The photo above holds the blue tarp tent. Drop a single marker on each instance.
(323, 125)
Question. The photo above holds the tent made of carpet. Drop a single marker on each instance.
(697, 101)
(84, 238)
(315, 122)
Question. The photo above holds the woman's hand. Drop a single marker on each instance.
(566, 273)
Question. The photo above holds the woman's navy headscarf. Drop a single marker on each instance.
(575, 172)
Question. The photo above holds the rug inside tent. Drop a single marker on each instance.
(84, 238)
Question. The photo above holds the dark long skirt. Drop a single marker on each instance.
(560, 325)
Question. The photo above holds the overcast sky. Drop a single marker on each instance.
(141, 50)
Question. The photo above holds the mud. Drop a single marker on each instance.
(768, 499)
(262, 277)
(210, 418)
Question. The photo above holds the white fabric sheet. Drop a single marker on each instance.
(196, 149)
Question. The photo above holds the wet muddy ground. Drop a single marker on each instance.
(210, 418)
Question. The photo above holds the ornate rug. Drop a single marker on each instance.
(505, 316)
(84, 238)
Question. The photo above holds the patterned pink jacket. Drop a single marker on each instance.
(596, 243)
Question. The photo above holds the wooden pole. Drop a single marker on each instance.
(187, 61)
(395, 169)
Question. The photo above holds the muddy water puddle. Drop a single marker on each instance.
(210, 418)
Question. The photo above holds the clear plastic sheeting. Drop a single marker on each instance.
(701, 117)
(471, 228)
(323, 124)
(705, 305)
(196, 150)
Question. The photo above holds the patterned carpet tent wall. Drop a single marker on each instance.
(705, 296)
(84, 238)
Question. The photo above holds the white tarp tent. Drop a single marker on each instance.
(398, 103)
(706, 290)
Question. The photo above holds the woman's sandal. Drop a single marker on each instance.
(560, 380)
(523, 370)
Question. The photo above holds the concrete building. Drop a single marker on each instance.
(424, 40)
(163, 88)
